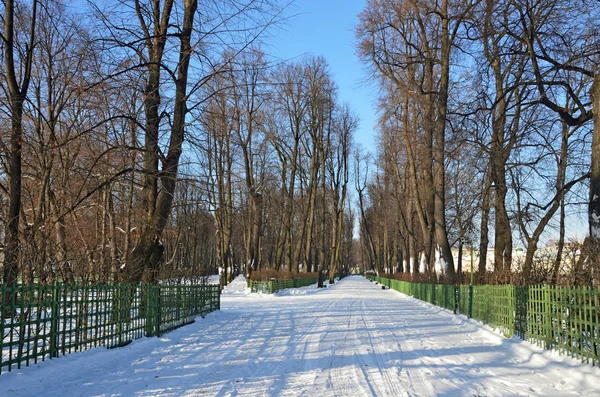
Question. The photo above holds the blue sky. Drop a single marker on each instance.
(326, 28)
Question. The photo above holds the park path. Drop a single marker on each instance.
(351, 339)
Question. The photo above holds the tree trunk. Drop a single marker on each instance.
(11, 244)
(594, 196)
(485, 216)
(257, 208)
(560, 245)
(149, 250)
(439, 150)
(17, 94)
(312, 201)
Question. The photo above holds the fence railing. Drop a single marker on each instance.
(439, 294)
(558, 318)
(39, 322)
(273, 286)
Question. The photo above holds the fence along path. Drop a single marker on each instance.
(562, 319)
(349, 339)
(46, 321)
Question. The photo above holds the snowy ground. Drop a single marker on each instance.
(351, 339)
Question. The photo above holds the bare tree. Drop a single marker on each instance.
(345, 124)
(410, 45)
(564, 61)
(18, 59)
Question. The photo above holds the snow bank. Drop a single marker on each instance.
(238, 287)
(308, 290)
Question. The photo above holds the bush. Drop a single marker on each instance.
(412, 277)
(268, 274)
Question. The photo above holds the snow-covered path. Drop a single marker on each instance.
(351, 339)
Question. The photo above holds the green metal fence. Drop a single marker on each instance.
(439, 294)
(273, 286)
(45, 321)
(563, 319)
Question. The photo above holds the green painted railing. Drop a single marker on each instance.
(439, 294)
(558, 318)
(273, 286)
(45, 321)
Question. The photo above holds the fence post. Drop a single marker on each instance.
(218, 297)
(207, 295)
(548, 317)
(513, 309)
(54, 321)
(181, 298)
(119, 316)
(4, 292)
(149, 310)
(470, 300)
(456, 290)
(158, 308)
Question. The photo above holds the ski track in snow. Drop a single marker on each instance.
(351, 339)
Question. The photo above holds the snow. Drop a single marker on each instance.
(310, 289)
(213, 279)
(238, 287)
(440, 264)
(595, 229)
(350, 339)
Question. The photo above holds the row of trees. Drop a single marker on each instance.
(277, 148)
(488, 133)
(145, 139)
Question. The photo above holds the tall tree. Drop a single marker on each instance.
(157, 204)
(18, 59)
(345, 124)
(564, 59)
(410, 45)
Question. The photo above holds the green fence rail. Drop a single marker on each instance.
(273, 286)
(439, 294)
(39, 322)
(558, 318)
